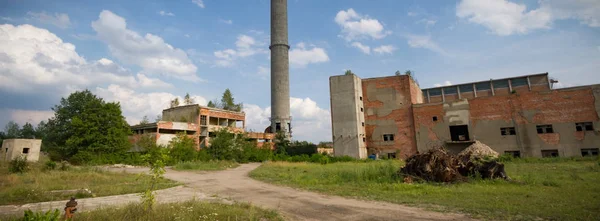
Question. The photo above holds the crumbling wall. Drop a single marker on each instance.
(348, 131)
(388, 102)
(187, 114)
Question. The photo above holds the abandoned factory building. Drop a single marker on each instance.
(199, 123)
(522, 116)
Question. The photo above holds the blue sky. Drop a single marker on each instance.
(145, 53)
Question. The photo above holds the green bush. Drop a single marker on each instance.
(182, 149)
(50, 165)
(83, 157)
(18, 165)
(50, 215)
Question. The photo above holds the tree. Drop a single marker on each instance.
(145, 120)
(398, 73)
(84, 123)
(41, 130)
(211, 104)
(408, 72)
(281, 143)
(158, 118)
(27, 131)
(348, 72)
(227, 100)
(12, 130)
(175, 102)
(187, 99)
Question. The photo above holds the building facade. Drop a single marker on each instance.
(522, 116)
(28, 148)
(199, 123)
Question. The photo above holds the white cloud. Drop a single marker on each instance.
(424, 41)
(355, 26)
(263, 72)
(427, 22)
(364, 48)
(412, 14)
(384, 49)
(34, 59)
(310, 122)
(163, 13)
(136, 105)
(504, 17)
(245, 46)
(150, 52)
(446, 83)
(226, 21)
(60, 20)
(199, 3)
(21, 116)
(301, 56)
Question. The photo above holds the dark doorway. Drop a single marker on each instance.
(459, 133)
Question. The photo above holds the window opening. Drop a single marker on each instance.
(515, 154)
(544, 129)
(360, 98)
(589, 152)
(515, 82)
(584, 126)
(435, 92)
(434, 118)
(500, 84)
(391, 155)
(466, 88)
(507, 131)
(459, 133)
(450, 90)
(361, 109)
(549, 153)
(483, 86)
(388, 137)
(277, 127)
(25, 150)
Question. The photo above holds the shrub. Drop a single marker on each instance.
(50, 165)
(64, 165)
(82, 157)
(182, 149)
(18, 165)
(50, 215)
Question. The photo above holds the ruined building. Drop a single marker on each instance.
(198, 122)
(522, 116)
(281, 120)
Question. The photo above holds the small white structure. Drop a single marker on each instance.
(13, 148)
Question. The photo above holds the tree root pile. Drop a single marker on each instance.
(438, 165)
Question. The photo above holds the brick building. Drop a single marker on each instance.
(523, 116)
(198, 122)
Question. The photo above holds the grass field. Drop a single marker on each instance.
(37, 184)
(205, 165)
(556, 189)
(191, 210)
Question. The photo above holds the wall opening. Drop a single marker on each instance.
(363, 124)
(361, 98)
(544, 129)
(589, 152)
(361, 109)
(364, 139)
(507, 131)
(584, 126)
(549, 153)
(459, 133)
(388, 137)
(434, 118)
(391, 155)
(515, 153)
(203, 120)
(277, 127)
(25, 150)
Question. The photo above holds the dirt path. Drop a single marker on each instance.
(296, 204)
(235, 184)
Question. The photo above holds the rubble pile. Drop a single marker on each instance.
(438, 165)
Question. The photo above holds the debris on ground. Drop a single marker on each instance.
(437, 165)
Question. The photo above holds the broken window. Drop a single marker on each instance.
(360, 98)
(584, 126)
(25, 150)
(290, 127)
(507, 131)
(361, 109)
(363, 123)
(202, 119)
(483, 86)
(450, 90)
(544, 129)
(589, 152)
(500, 84)
(391, 155)
(388, 137)
(435, 92)
(459, 133)
(515, 153)
(515, 82)
(549, 153)
(277, 127)
(434, 118)
(364, 139)
(466, 88)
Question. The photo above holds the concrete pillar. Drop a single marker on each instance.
(280, 76)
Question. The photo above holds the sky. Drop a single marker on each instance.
(145, 53)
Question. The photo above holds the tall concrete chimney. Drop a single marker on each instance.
(280, 73)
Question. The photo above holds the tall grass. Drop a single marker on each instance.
(191, 210)
(561, 189)
(205, 165)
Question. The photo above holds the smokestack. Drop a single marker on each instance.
(280, 73)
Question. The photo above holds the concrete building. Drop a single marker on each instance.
(198, 122)
(522, 116)
(13, 148)
(281, 120)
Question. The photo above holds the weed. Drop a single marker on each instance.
(18, 165)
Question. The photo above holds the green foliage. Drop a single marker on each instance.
(50, 215)
(18, 165)
(182, 149)
(211, 165)
(145, 120)
(408, 72)
(156, 157)
(211, 104)
(398, 73)
(11, 130)
(28, 131)
(158, 118)
(227, 102)
(223, 146)
(187, 100)
(175, 102)
(281, 143)
(348, 72)
(50, 165)
(85, 122)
